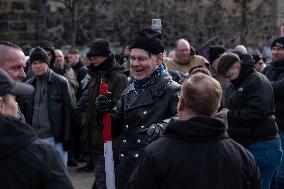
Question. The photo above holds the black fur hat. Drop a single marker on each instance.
(148, 40)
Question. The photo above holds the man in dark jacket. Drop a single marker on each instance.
(249, 110)
(275, 73)
(103, 68)
(145, 104)
(25, 161)
(196, 151)
(49, 109)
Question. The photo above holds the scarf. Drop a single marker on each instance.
(139, 85)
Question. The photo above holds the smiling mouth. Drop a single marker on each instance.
(137, 70)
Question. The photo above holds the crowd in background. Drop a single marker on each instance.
(144, 82)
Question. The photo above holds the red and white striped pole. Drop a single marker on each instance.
(108, 153)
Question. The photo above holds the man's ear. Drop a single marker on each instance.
(2, 106)
(159, 59)
(180, 106)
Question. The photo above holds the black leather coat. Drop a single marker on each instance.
(59, 106)
(135, 112)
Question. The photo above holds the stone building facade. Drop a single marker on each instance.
(202, 22)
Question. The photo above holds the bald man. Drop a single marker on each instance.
(12, 60)
(183, 60)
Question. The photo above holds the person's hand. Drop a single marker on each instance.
(222, 114)
(104, 103)
(154, 132)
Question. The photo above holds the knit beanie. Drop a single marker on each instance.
(39, 54)
(148, 40)
(101, 47)
(47, 46)
(278, 42)
(215, 52)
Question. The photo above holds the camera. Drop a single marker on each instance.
(156, 25)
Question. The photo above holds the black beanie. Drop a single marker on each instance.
(148, 40)
(278, 42)
(215, 52)
(101, 47)
(39, 54)
(47, 46)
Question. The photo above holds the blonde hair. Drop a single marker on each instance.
(202, 94)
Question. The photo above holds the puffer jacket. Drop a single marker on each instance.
(135, 112)
(251, 117)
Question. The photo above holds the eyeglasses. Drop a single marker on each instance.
(139, 58)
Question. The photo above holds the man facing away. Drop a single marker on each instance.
(25, 161)
(196, 151)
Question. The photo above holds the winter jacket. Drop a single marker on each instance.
(250, 101)
(194, 61)
(59, 106)
(70, 75)
(135, 112)
(81, 72)
(92, 128)
(196, 153)
(275, 73)
(27, 162)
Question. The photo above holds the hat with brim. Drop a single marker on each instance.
(8, 85)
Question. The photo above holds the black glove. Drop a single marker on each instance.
(154, 132)
(66, 145)
(104, 103)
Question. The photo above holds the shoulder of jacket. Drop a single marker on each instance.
(200, 58)
(166, 84)
(128, 89)
(58, 77)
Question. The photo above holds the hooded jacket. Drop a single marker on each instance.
(196, 153)
(250, 101)
(25, 161)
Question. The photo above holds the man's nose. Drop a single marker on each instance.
(22, 73)
(135, 62)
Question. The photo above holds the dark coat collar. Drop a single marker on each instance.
(200, 128)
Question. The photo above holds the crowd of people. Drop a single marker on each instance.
(178, 121)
